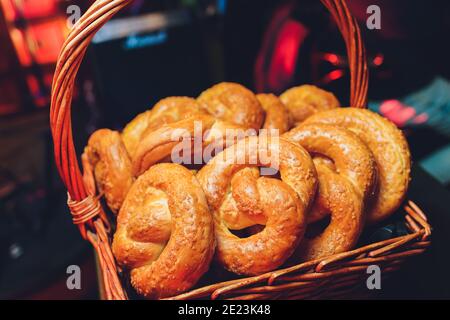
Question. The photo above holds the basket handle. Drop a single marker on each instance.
(97, 15)
(84, 206)
(356, 51)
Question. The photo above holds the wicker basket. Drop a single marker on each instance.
(332, 277)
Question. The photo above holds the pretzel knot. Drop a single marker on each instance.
(307, 100)
(164, 232)
(390, 150)
(238, 197)
(233, 103)
(107, 166)
(166, 111)
(347, 179)
(84, 210)
(179, 140)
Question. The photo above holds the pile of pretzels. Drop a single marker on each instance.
(349, 167)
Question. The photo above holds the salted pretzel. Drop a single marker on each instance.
(233, 103)
(238, 197)
(165, 232)
(276, 113)
(345, 185)
(305, 100)
(167, 110)
(107, 166)
(198, 136)
(389, 148)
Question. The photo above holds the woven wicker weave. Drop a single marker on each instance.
(331, 277)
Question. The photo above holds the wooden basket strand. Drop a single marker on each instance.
(85, 208)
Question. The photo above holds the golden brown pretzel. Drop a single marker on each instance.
(168, 110)
(106, 161)
(205, 130)
(165, 232)
(233, 103)
(389, 148)
(343, 187)
(277, 115)
(304, 101)
(280, 205)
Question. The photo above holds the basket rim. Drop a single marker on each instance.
(393, 249)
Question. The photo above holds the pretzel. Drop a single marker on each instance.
(233, 103)
(107, 165)
(277, 115)
(200, 132)
(306, 100)
(389, 148)
(238, 198)
(165, 232)
(344, 187)
(168, 110)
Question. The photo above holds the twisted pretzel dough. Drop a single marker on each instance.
(168, 110)
(233, 103)
(158, 145)
(389, 148)
(106, 164)
(280, 205)
(304, 101)
(343, 188)
(277, 115)
(164, 232)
